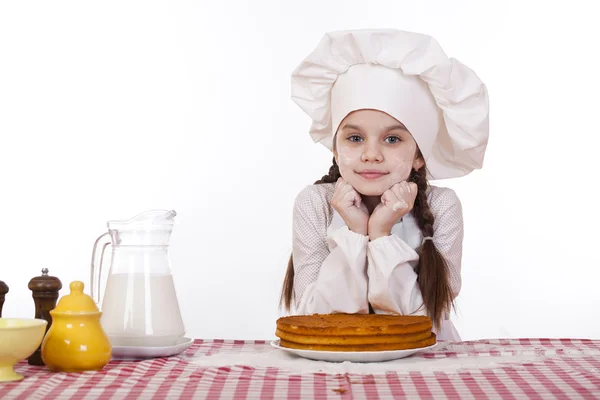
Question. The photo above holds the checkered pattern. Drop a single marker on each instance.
(568, 369)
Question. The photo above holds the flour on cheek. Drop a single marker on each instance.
(347, 161)
(401, 162)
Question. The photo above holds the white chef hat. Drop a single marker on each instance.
(442, 102)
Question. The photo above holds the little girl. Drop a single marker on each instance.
(372, 235)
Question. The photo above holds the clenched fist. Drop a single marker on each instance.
(396, 202)
(347, 202)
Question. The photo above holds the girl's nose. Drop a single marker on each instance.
(372, 153)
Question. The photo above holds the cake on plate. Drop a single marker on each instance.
(355, 332)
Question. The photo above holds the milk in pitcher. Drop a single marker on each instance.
(150, 307)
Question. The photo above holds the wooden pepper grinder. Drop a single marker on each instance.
(3, 291)
(45, 295)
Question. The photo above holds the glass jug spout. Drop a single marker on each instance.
(147, 218)
(150, 228)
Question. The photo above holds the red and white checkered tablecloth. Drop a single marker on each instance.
(564, 369)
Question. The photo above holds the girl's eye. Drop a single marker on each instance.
(354, 138)
(395, 139)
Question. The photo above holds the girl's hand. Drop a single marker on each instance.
(347, 202)
(396, 202)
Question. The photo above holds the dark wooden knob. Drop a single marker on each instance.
(3, 291)
(45, 291)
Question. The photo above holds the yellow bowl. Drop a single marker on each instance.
(19, 338)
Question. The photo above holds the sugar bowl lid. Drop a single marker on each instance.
(76, 302)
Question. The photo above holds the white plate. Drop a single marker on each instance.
(140, 352)
(352, 356)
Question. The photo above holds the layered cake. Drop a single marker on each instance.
(355, 332)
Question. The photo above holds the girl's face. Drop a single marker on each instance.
(374, 151)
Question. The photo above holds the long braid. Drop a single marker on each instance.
(287, 293)
(421, 206)
(332, 176)
(432, 269)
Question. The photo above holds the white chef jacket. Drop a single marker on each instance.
(337, 270)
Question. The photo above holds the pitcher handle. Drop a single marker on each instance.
(93, 269)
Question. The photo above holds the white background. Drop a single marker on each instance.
(111, 108)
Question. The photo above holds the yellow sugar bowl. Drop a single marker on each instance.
(76, 341)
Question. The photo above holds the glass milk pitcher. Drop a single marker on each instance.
(139, 306)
